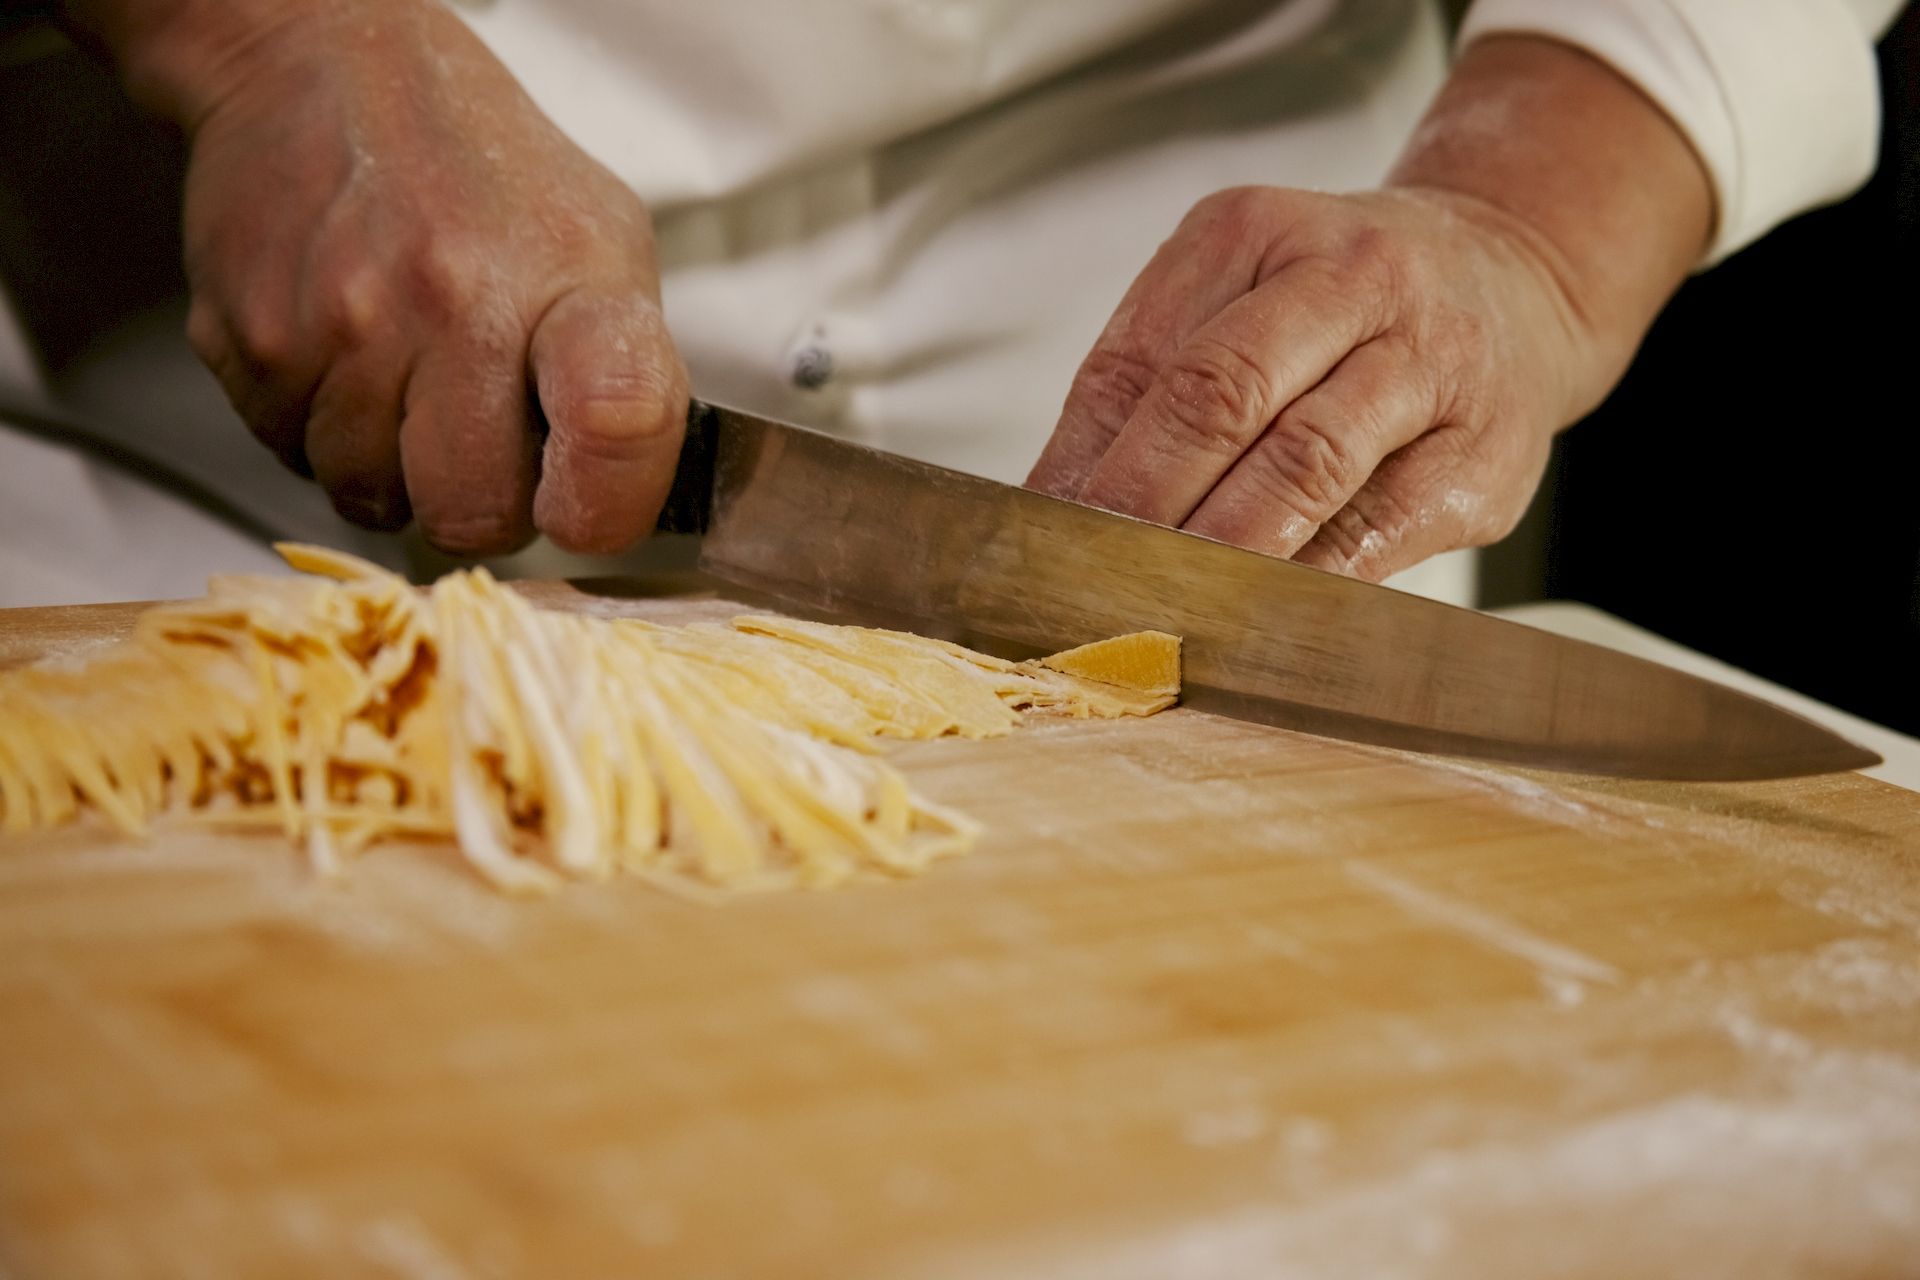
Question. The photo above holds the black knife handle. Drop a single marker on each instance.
(690, 501)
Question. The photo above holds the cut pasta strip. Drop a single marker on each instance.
(344, 708)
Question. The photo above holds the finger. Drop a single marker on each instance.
(1432, 496)
(353, 439)
(614, 394)
(1319, 451)
(1211, 259)
(1221, 390)
(273, 404)
(467, 444)
(246, 321)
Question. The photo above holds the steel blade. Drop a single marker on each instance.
(863, 535)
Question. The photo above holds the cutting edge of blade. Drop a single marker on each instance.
(1783, 744)
(1821, 751)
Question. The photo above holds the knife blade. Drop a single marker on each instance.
(857, 534)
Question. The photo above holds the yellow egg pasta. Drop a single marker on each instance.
(346, 707)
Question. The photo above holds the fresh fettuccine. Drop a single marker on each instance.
(346, 707)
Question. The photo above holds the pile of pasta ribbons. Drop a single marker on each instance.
(346, 707)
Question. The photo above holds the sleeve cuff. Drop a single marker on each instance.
(1779, 98)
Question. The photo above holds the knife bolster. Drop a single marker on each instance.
(690, 501)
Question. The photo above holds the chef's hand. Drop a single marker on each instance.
(404, 275)
(1362, 381)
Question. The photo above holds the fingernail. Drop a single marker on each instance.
(371, 512)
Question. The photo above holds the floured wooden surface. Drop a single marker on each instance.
(1209, 1000)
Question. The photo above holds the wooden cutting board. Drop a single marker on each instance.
(1210, 1000)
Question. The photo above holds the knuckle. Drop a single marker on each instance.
(446, 271)
(1214, 393)
(1366, 248)
(492, 336)
(1306, 464)
(1374, 269)
(569, 230)
(613, 416)
(1452, 450)
(598, 233)
(1365, 535)
(356, 307)
(1114, 379)
(1370, 247)
(1331, 282)
(266, 339)
(1236, 211)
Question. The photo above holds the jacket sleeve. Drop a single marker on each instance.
(1779, 98)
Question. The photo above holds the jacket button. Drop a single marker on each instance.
(811, 367)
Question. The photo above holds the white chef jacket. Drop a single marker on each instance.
(905, 221)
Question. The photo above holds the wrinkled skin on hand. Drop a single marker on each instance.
(1363, 381)
(414, 288)
(1357, 382)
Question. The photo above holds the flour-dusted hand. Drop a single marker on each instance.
(409, 282)
(1331, 378)
(1362, 381)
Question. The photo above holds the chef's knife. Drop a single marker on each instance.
(855, 533)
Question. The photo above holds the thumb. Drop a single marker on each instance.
(614, 394)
